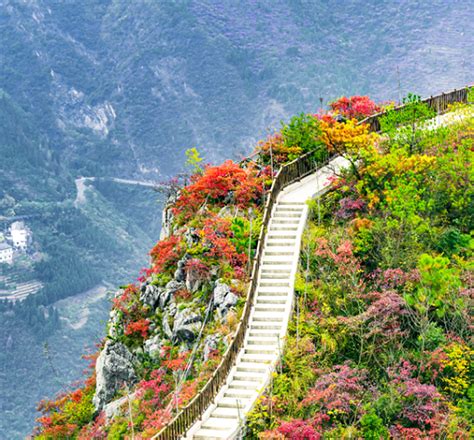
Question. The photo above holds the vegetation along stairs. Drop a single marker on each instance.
(218, 411)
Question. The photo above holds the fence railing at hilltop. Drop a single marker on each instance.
(287, 174)
(439, 103)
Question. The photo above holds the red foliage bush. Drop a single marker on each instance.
(141, 327)
(358, 107)
(216, 184)
(165, 254)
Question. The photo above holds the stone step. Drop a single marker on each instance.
(244, 385)
(274, 284)
(289, 209)
(240, 376)
(283, 236)
(280, 243)
(264, 333)
(269, 308)
(260, 349)
(249, 367)
(265, 295)
(271, 301)
(215, 424)
(229, 402)
(278, 253)
(236, 393)
(211, 434)
(262, 340)
(258, 358)
(225, 413)
(274, 276)
(275, 264)
(278, 221)
(264, 326)
(275, 271)
(286, 215)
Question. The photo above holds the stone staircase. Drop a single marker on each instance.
(271, 310)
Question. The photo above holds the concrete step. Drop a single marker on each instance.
(264, 333)
(250, 368)
(244, 385)
(258, 358)
(275, 271)
(278, 253)
(286, 215)
(273, 300)
(274, 276)
(261, 340)
(260, 349)
(280, 244)
(229, 402)
(267, 317)
(211, 434)
(269, 308)
(276, 228)
(242, 376)
(215, 424)
(265, 326)
(274, 264)
(288, 208)
(274, 284)
(281, 236)
(278, 221)
(282, 290)
(225, 413)
(270, 295)
(236, 393)
(284, 203)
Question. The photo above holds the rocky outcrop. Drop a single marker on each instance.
(152, 346)
(187, 324)
(223, 298)
(159, 297)
(114, 369)
(168, 217)
(210, 344)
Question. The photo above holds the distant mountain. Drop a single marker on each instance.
(120, 89)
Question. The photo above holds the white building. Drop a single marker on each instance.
(20, 235)
(6, 253)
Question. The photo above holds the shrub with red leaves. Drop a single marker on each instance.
(358, 107)
(218, 185)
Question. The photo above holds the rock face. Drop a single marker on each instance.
(187, 324)
(168, 217)
(152, 346)
(210, 344)
(224, 299)
(114, 368)
(151, 295)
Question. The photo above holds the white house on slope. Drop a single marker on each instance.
(6, 253)
(20, 235)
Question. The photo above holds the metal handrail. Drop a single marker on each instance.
(287, 174)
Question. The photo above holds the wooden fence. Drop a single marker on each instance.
(439, 103)
(287, 174)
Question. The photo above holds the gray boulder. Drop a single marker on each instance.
(168, 217)
(152, 346)
(180, 273)
(114, 368)
(151, 295)
(223, 298)
(210, 344)
(187, 324)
